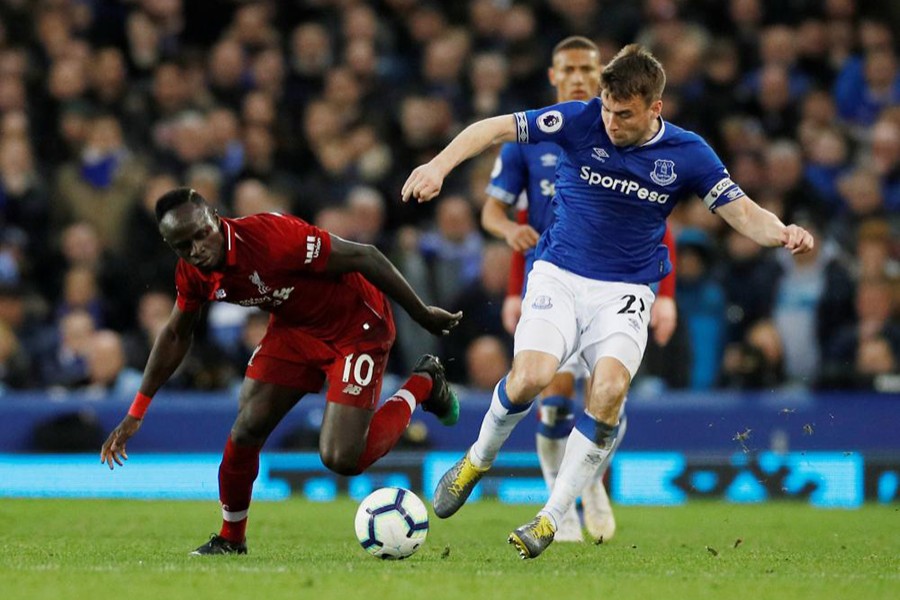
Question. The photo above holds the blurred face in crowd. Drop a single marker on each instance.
(575, 74)
(106, 357)
(193, 232)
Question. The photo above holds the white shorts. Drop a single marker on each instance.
(568, 315)
(574, 367)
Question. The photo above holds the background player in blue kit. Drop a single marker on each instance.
(523, 177)
(621, 171)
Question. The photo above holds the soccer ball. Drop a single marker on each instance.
(391, 523)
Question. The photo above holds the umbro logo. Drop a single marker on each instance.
(600, 154)
(548, 160)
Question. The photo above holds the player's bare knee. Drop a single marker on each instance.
(526, 380)
(340, 461)
(607, 395)
(242, 435)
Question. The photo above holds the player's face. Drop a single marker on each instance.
(194, 234)
(629, 122)
(575, 74)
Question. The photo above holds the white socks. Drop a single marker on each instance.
(590, 443)
(501, 418)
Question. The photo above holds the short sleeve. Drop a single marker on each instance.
(294, 243)
(189, 291)
(712, 182)
(509, 176)
(559, 123)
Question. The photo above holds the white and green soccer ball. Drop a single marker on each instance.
(391, 523)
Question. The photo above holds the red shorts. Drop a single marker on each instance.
(354, 369)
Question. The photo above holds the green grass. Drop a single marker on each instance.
(62, 549)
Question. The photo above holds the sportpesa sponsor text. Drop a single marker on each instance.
(625, 186)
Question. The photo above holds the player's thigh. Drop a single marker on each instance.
(343, 435)
(548, 323)
(261, 406)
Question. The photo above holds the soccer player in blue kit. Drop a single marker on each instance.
(523, 177)
(621, 171)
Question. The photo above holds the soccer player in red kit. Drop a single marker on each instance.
(330, 320)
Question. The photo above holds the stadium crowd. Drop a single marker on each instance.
(321, 108)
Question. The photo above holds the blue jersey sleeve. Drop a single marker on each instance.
(510, 175)
(561, 123)
(711, 180)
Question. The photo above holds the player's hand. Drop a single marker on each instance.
(510, 313)
(521, 237)
(663, 319)
(438, 321)
(114, 447)
(423, 184)
(797, 240)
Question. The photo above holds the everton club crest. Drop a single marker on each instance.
(663, 172)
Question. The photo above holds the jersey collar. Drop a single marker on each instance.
(231, 238)
(659, 134)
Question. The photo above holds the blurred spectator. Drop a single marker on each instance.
(153, 311)
(757, 362)
(62, 359)
(251, 197)
(801, 312)
(867, 85)
(827, 158)
(784, 169)
(875, 251)
(480, 302)
(23, 196)
(453, 249)
(749, 279)
(869, 347)
(108, 375)
(487, 361)
(367, 212)
(103, 185)
(701, 305)
(885, 156)
(15, 364)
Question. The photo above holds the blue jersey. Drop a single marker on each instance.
(611, 203)
(530, 170)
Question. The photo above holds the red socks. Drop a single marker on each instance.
(239, 468)
(392, 419)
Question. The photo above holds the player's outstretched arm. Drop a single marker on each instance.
(368, 260)
(763, 227)
(425, 182)
(168, 351)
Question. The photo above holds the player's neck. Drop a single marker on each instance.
(651, 133)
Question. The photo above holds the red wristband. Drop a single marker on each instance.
(139, 407)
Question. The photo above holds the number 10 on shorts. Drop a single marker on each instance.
(362, 368)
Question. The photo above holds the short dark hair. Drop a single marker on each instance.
(175, 198)
(634, 71)
(575, 42)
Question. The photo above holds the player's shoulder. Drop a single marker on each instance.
(263, 222)
(679, 136)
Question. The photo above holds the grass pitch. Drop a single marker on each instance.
(73, 549)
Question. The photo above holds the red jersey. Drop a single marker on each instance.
(276, 263)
